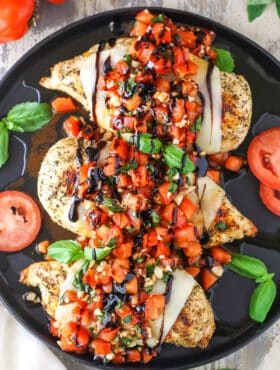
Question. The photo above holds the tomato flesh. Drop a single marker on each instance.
(264, 157)
(20, 221)
(270, 198)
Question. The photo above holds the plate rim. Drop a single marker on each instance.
(197, 18)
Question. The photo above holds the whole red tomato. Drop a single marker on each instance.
(14, 17)
(56, 1)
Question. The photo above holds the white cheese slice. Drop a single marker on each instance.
(211, 197)
(67, 284)
(210, 135)
(88, 78)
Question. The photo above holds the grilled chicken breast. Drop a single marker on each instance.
(194, 327)
(71, 76)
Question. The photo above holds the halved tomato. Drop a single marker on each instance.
(270, 198)
(20, 220)
(264, 157)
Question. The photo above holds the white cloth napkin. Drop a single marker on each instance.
(19, 350)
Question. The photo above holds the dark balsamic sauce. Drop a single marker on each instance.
(209, 89)
(107, 67)
(73, 210)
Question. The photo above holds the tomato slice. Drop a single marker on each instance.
(20, 220)
(264, 157)
(270, 198)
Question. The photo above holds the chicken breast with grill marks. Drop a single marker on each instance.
(77, 77)
(194, 326)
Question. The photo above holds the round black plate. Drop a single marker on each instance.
(230, 297)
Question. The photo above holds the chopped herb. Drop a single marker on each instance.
(165, 277)
(132, 230)
(77, 282)
(146, 143)
(220, 226)
(61, 299)
(150, 268)
(157, 261)
(159, 18)
(127, 319)
(140, 260)
(111, 204)
(176, 158)
(111, 179)
(121, 86)
(176, 38)
(155, 218)
(118, 134)
(172, 188)
(127, 58)
(197, 124)
(148, 289)
(111, 243)
(129, 85)
(129, 166)
(151, 168)
(171, 173)
(165, 116)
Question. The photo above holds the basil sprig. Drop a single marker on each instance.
(23, 117)
(265, 293)
(224, 60)
(176, 158)
(255, 8)
(146, 143)
(68, 251)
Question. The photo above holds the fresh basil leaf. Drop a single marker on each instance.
(11, 125)
(65, 251)
(111, 204)
(159, 18)
(255, 8)
(220, 226)
(89, 253)
(247, 266)
(146, 143)
(176, 158)
(155, 218)
(265, 277)
(197, 124)
(262, 300)
(101, 253)
(127, 319)
(224, 60)
(30, 116)
(78, 279)
(150, 268)
(172, 188)
(278, 7)
(111, 243)
(129, 166)
(4, 144)
(127, 58)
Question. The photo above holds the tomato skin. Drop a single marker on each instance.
(264, 157)
(21, 220)
(270, 198)
(56, 1)
(14, 17)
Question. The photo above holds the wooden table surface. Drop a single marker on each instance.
(264, 352)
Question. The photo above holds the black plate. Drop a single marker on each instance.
(231, 296)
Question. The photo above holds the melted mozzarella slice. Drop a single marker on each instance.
(88, 75)
(211, 197)
(181, 288)
(210, 135)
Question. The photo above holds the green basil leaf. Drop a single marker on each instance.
(65, 251)
(155, 218)
(176, 158)
(111, 204)
(30, 116)
(247, 266)
(278, 7)
(89, 253)
(4, 144)
(196, 125)
(172, 188)
(11, 125)
(146, 143)
(265, 277)
(255, 8)
(150, 268)
(101, 253)
(262, 300)
(159, 18)
(127, 167)
(224, 60)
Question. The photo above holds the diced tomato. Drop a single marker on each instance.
(133, 355)
(124, 250)
(150, 239)
(194, 109)
(214, 175)
(162, 85)
(178, 133)
(63, 104)
(119, 147)
(186, 38)
(207, 279)
(193, 270)
(101, 347)
(147, 356)
(270, 198)
(132, 103)
(139, 176)
(145, 16)
(163, 233)
(188, 207)
(165, 194)
(234, 163)
(161, 65)
(185, 69)
(118, 273)
(161, 113)
(178, 110)
(53, 327)
(122, 67)
(123, 311)
(73, 330)
(161, 33)
(135, 221)
(184, 234)
(121, 220)
(132, 286)
(220, 254)
(123, 181)
(72, 125)
(142, 50)
(218, 158)
(118, 359)
(144, 76)
(154, 306)
(84, 171)
(139, 29)
(191, 249)
(140, 157)
(110, 166)
(135, 202)
(108, 334)
(162, 249)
